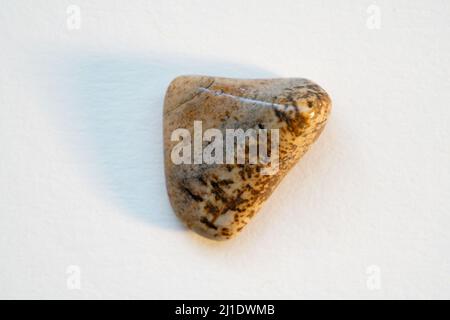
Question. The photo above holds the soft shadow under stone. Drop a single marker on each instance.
(114, 120)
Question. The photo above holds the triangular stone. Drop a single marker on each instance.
(217, 200)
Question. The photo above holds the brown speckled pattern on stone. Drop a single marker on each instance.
(218, 200)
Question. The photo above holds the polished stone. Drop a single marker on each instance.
(218, 199)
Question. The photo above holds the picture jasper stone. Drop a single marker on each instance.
(218, 198)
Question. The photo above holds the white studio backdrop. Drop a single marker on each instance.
(83, 207)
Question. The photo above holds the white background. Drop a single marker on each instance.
(365, 214)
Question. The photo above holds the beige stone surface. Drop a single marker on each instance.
(218, 200)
